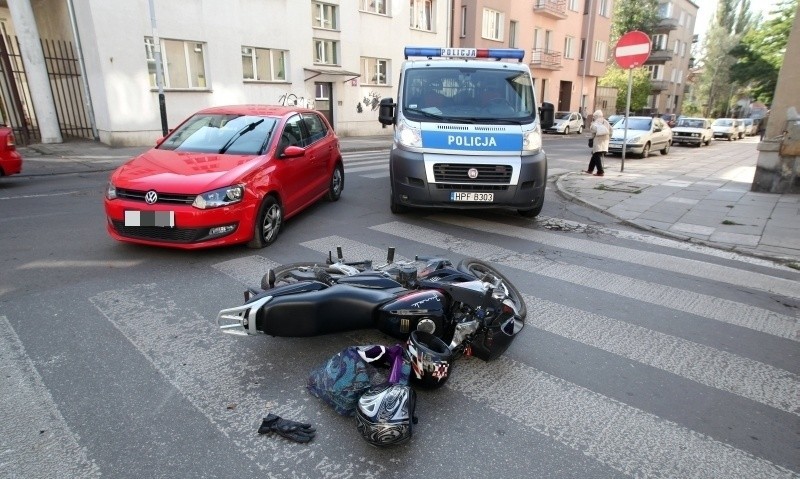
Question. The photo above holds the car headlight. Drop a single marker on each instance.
(111, 191)
(695, 135)
(635, 139)
(226, 196)
(408, 136)
(531, 140)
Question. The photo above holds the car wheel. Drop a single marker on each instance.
(730, 137)
(336, 184)
(566, 130)
(268, 223)
(580, 129)
(396, 207)
(708, 142)
(666, 149)
(646, 150)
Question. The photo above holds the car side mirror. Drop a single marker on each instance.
(293, 152)
(386, 111)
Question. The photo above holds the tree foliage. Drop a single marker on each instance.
(759, 55)
(631, 15)
(618, 78)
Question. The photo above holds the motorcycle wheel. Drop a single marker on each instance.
(480, 269)
(303, 271)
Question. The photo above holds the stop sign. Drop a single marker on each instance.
(633, 49)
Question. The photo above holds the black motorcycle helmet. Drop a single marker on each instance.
(385, 414)
(430, 359)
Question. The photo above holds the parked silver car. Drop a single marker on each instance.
(566, 122)
(692, 131)
(644, 134)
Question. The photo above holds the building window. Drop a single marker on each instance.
(573, 5)
(375, 71)
(583, 48)
(263, 64)
(682, 20)
(463, 22)
(374, 6)
(604, 8)
(183, 62)
(512, 35)
(422, 14)
(325, 16)
(568, 42)
(656, 72)
(676, 46)
(492, 24)
(326, 51)
(548, 40)
(683, 49)
(599, 51)
(537, 38)
(665, 10)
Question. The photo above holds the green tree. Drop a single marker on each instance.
(631, 15)
(759, 55)
(618, 78)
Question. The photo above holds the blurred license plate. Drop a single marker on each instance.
(469, 196)
(150, 218)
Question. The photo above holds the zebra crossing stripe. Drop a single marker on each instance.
(627, 439)
(210, 374)
(366, 162)
(711, 367)
(383, 166)
(42, 444)
(384, 174)
(700, 269)
(719, 309)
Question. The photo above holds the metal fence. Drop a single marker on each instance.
(63, 71)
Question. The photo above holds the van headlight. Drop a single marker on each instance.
(408, 136)
(531, 140)
(226, 196)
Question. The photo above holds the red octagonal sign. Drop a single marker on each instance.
(633, 49)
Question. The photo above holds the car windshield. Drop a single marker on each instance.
(233, 134)
(562, 115)
(690, 123)
(468, 95)
(635, 123)
(722, 123)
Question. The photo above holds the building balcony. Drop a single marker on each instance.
(659, 56)
(659, 85)
(548, 59)
(667, 24)
(551, 8)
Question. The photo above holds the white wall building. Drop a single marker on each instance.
(338, 56)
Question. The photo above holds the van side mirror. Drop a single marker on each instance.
(386, 111)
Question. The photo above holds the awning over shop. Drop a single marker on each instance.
(329, 75)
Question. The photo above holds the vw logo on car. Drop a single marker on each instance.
(151, 197)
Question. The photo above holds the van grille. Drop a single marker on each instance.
(457, 173)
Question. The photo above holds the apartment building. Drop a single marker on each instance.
(337, 56)
(671, 55)
(566, 42)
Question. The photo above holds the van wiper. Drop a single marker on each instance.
(503, 121)
(425, 113)
(247, 129)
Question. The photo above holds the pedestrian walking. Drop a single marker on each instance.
(601, 133)
(762, 127)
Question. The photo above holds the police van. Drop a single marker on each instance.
(466, 132)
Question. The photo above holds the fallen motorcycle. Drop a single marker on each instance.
(472, 307)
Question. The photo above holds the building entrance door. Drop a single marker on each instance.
(323, 100)
(565, 96)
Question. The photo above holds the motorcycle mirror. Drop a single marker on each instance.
(513, 326)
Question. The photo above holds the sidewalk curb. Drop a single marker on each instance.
(650, 229)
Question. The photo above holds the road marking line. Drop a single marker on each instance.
(43, 195)
(701, 269)
(723, 310)
(35, 440)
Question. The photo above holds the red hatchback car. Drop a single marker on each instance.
(10, 159)
(226, 175)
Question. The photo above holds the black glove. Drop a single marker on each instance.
(295, 431)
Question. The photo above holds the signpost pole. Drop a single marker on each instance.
(627, 114)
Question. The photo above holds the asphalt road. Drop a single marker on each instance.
(642, 357)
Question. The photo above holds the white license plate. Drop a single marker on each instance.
(164, 219)
(469, 196)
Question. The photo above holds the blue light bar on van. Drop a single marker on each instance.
(494, 53)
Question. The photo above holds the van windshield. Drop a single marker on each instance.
(468, 95)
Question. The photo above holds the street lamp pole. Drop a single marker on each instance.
(162, 104)
(586, 56)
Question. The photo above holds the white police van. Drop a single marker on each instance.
(466, 132)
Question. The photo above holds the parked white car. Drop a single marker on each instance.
(728, 128)
(644, 134)
(566, 122)
(692, 131)
(750, 127)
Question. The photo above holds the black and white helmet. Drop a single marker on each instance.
(430, 359)
(385, 414)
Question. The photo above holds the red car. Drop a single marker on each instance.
(10, 159)
(226, 175)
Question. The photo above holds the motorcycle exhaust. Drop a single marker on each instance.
(241, 320)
